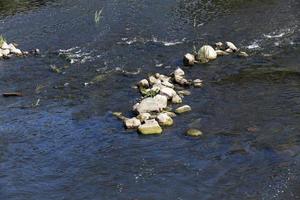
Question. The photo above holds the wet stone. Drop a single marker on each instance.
(243, 54)
(228, 50)
(164, 119)
(144, 116)
(222, 53)
(194, 132)
(198, 83)
(206, 54)
(168, 92)
(188, 59)
(171, 114)
(143, 83)
(167, 84)
(132, 123)
(184, 93)
(150, 127)
(151, 104)
(183, 109)
(153, 80)
(176, 99)
(178, 72)
(231, 46)
(119, 115)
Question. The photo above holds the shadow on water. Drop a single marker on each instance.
(270, 73)
(9, 7)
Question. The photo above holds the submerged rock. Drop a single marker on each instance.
(183, 109)
(132, 123)
(206, 53)
(164, 119)
(150, 127)
(151, 104)
(188, 59)
(194, 132)
(198, 83)
(231, 46)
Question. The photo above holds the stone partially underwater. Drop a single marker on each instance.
(159, 92)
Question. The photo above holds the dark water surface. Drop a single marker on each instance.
(71, 147)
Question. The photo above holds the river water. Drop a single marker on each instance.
(60, 140)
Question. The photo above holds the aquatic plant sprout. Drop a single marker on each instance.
(2, 40)
(98, 16)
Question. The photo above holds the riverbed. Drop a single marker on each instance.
(61, 141)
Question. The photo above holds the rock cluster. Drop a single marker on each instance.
(153, 110)
(9, 50)
(208, 53)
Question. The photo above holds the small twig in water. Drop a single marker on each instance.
(12, 94)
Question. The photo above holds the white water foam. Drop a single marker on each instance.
(153, 39)
(75, 55)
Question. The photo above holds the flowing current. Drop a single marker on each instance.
(60, 141)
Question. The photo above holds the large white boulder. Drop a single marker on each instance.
(152, 104)
(206, 53)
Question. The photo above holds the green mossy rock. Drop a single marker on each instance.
(150, 127)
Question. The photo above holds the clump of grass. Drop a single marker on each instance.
(2, 40)
(98, 16)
